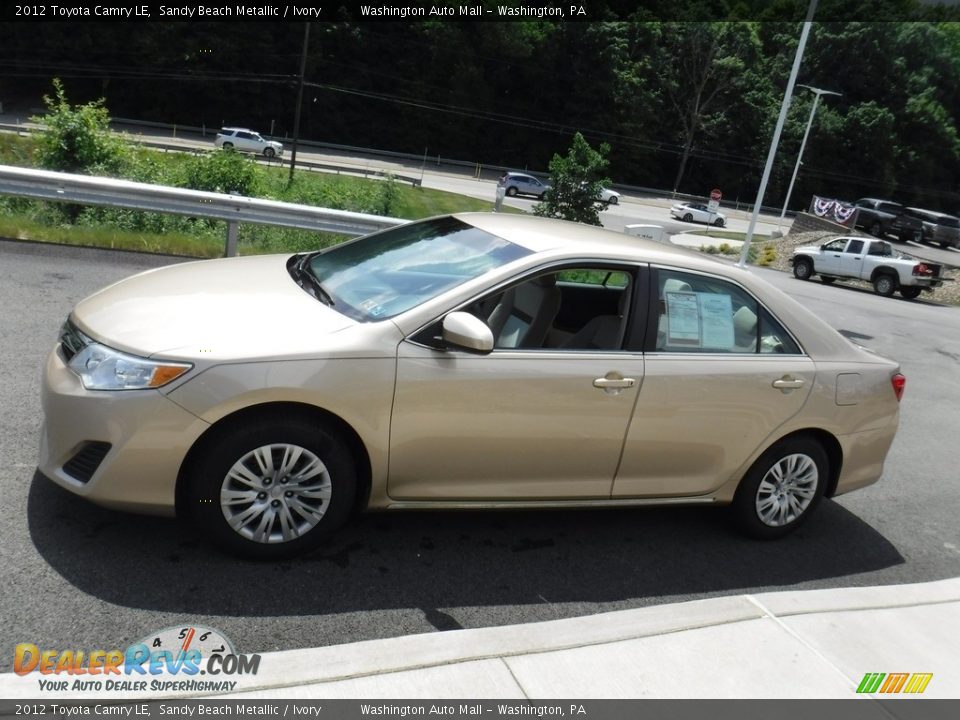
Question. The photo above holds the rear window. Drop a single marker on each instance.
(950, 222)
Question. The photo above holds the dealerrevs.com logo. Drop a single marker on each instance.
(172, 660)
(888, 683)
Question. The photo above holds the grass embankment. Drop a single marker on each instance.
(152, 232)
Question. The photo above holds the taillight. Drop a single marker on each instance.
(923, 269)
(898, 381)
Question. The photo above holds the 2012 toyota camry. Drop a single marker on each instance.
(468, 361)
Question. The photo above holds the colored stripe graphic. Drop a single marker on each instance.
(918, 682)
(913, 683)
(894, 682)
(870, 682)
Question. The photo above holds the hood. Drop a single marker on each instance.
(245, 307)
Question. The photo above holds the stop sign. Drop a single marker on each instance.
(715, 194)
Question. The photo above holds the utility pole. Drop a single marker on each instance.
(296, 117)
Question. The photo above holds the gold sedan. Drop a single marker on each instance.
(467, 361)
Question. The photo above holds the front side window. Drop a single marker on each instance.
(576, 308)
(382, 275)
(704, 314)
(836, 245)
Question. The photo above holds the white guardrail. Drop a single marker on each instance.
(234, 209)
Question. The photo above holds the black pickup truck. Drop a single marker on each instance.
(881, 218)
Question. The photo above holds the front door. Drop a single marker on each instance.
(540, 417)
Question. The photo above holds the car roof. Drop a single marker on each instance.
(932, 213)
(240, 129)
(544, 235)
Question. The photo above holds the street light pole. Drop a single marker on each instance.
(745, 250)
(803, 144)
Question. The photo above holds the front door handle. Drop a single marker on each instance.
(614, 383)
(788, 383)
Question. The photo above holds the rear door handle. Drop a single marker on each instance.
(787, 383)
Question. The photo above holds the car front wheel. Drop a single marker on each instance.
(718, 222)
(614, 200)
(269, 152)
(273, 488)
(802, 269)
(782, 488)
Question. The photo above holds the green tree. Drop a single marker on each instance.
(577, 179)
(77, 138)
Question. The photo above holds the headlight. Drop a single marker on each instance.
(103, 368)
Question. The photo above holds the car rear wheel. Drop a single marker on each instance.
(826, 280)
(782, 488)
(512, 191)
(884, 285)
(273, 488)
(688, 218)
(802, 269)
(910, 293)
(227, 145)
(269, 152)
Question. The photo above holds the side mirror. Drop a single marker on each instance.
(467, 332)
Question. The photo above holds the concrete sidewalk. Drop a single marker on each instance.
(804, 644)
(800, 644)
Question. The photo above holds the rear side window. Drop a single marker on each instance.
(704, 314)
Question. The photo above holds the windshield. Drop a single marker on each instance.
(383, 275)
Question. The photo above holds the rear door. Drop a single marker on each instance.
(721, 375)
(851, 262)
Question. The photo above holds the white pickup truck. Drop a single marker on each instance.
(874, 261)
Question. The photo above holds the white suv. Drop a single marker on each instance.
(243, 139)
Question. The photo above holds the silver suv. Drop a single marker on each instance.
(247, 140)
(515, 183)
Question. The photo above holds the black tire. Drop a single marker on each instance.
(766, 511)
(885, 284)
(910, 293)
(876, 229)
(688, 218)
(271, 436)
(541, 196)
(512, 191)
(269, 152)
(718, 222)
(827, 280)
(614, 200)
(802, 269)
(227, 145)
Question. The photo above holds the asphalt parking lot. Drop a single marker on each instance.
(77, 576)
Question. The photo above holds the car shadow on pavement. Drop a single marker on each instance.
(611, 558)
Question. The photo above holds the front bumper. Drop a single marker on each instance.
(147, 433)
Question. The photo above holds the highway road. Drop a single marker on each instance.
(76, 576)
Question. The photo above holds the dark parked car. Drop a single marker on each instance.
(938, 227)
(885, 217)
